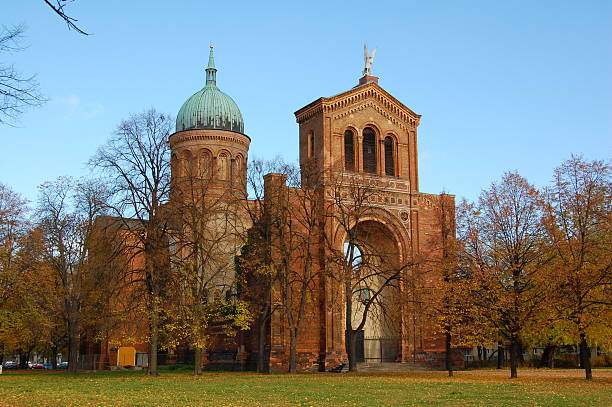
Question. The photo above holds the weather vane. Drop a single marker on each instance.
(368, 60)
(211, 44)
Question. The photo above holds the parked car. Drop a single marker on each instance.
(36, 366)
(48, 365)
(62, 365)
(10, 365)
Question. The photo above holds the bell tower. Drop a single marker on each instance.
(364, 130)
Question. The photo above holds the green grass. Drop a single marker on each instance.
(418, 388)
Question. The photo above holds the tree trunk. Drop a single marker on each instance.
(500, 354)
(261, 351)
(585, 357)
(350, 335)
(197, 366)
(152, 371)
(548, 355)
(73, 345)
(449, 356)
(521, 358)
(23, 360)
(351, 346)
(514, 351)
(54, 357)
(292, 350)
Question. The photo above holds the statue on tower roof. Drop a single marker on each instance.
(368, 60)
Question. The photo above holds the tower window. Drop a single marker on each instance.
(389, 157)
(369, 150)
(310, 144)
(349, 151)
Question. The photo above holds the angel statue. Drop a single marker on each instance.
(368, 60)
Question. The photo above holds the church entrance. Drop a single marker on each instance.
(375, 282)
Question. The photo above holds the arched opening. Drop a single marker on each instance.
(223, 167)
(389, 156)
(185, 162)
(373, 253)
(349, 150)
(239, 167)
(203, 164)
(174, 165)
(369, 150)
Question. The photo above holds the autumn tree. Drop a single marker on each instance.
(13, 229)
(579, 229)
(13, 226)
(66, 213)
(503, 244)
(446, 299)
(136, 162)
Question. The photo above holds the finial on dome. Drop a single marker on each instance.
(211, 71)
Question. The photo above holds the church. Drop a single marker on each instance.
(360, 238)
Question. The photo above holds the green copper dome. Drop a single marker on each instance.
(210, 109)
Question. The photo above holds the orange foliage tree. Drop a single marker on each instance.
(503, 246)
(579, 230)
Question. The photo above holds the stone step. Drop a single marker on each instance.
(388, 367)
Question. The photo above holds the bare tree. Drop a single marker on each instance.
(17, 92)
(207, 232)
(136, 161)
(254, 262)
(58, 7)
(369, 272)
(293, 210)
(578, 225)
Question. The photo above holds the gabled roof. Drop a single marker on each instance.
(355, 96)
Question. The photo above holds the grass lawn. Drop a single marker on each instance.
(418, 388)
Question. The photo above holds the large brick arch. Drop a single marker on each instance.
(391, 223)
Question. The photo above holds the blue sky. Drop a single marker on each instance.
(513, 85)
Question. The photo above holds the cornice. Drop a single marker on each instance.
(208, 135)
(387, 105)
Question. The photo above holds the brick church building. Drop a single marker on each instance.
(359, 167)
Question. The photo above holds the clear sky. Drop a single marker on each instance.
(501, 85)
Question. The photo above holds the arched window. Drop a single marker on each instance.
(223, 167)
(185, 164)
(349, 150)
(310, 144)
(369, 150)
(239, 164)
(174, 165)
(203, 167)
(239, 167)
(389, 157)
